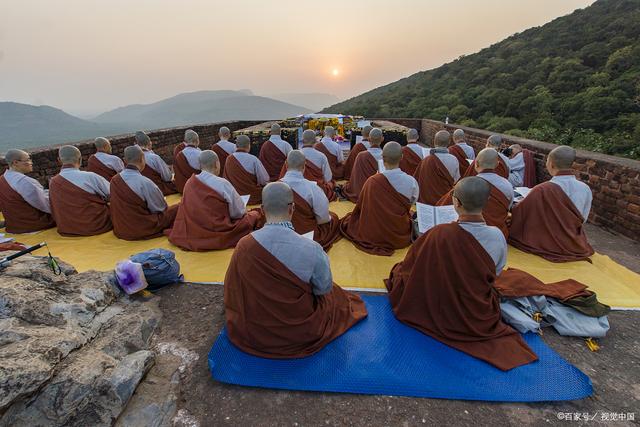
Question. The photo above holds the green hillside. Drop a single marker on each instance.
(575, 80)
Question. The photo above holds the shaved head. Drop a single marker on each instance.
(15, 155)
(562, 157)
(458, 135)
(133, 154)
(277, 197)
(275, 129)
(472, 192)
(515, 149)
(494, 141)
(366, 131)
(243, 142)
(209, 161)
(376, 136)
(487, 159)
(308, 137)
(295, 160)
(392, 153)
(191, 138)
(329, 131)
(69, 155)
(224, 132)
(142, 139)
(102, 144)
(442, 139)
(412, 135)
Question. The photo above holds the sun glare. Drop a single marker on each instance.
(335, 72)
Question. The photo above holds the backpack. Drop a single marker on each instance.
(160, 267)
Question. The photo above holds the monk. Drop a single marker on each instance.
(311, 204)
(494, 142)
(79, 199)
(522, 167)
(155, 168)
(186, 162)
(138, 208)
(279, 297)
(549, 221)
(245, 171)
(412, 153)
(457, 305)
(317, 166)
(462, 151)
(437, 172)
(103, 162)
(273, 153)
(330, 148)
(357, 148)
(224, 147)
(496, 211)
(381, 221)
(366, 165)
(23, 201)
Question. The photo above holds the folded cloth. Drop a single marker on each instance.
(514, 283)
(12, 246)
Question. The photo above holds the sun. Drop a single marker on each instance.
(335, 72)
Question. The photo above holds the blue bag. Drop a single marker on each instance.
(159, 266)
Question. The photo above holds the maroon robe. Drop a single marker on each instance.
(315, 174)
(96, 166)
(410, 160)
(182, 171)
(20, 216)
(365, 166)
(351, 159)
(461, 156)
(167, 188)
(337, 169)
(76, 211)
(546, 223)
(514, 283)
(243, 181)
(272, 159)
(433, 179)
(178, 148)
(222, 156)
(529, 179)
(203, 222)
(456, 306)
(502, 169)
(381, 221)
(271, 313)
(131, 218)
(304, 221)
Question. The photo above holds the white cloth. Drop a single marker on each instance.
(192, 154)
(311, 193)
(500, 183)
(403, 183)
(579, 193)
(333, 147)
(366, 143)
(145, 189)
(303, 257)
(88, 181)
(491, 239)
(468, 150)
(253, 165)
(449, 161)
(418, 149)
(31, 190)
(156, 163)
(319, 159)
(376, 152)
(226, 190)
(516, 170)
(282, 145)
(227, 146)
(110, 161)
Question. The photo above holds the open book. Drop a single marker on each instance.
(430, 216)
(245, 199)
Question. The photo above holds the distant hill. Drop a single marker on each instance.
(575, 80)
(312, 101)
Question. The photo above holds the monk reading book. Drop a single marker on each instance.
(357, 148)
(381, 221)
(549, 221)
(496, 211)
(138, 208)
(279, 296)
(458, 306)
(155, 168)
(79, 199)
(311, 213)
(212, 215)
(330, 148)
(366, 165)
(437, 172)
(503, 169)
(273, 153)
(522, 166)
(224, 147)
(412, 153)
(245, 171)
(23, 201)
(186, 162)
(462, 151)
(103, 162)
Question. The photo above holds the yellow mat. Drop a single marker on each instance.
(614, 284)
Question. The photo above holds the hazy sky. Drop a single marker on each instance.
(91, 55)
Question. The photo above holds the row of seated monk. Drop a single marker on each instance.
(213, 216)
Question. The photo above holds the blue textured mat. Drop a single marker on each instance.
(380, 355)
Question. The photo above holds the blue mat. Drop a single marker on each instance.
(380, 355)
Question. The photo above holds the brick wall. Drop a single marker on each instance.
(615, 181)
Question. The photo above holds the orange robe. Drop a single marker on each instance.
(337, 169)
(314, 173)
(20, 216)
(461, 156)
(351, 159)
(272, 159)
(365, 166)
(167, 188)
(96, 166)
(182, 171)
(222, 156)
(304, 221)
(433, 179)
(243, 181)
(410, 161)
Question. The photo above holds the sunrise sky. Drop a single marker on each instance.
(88, 56)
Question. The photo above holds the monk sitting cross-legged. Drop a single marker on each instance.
(23, 201)
(155, 168)
(311, 204)
(549, 221)
(333, 151)
(245, 171)
(494, 142)
(224, 147)
(496, 211)
(212, 215)
(186, 163)
(279, 297)
(458, 306)
(381, 221)
(437, 172)
(138, 208)
(412, 153)
(357, 149)
(79, 200)
(103, 162)
(317, 167)
(462, 151)
(273, 153)
(366, 165)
